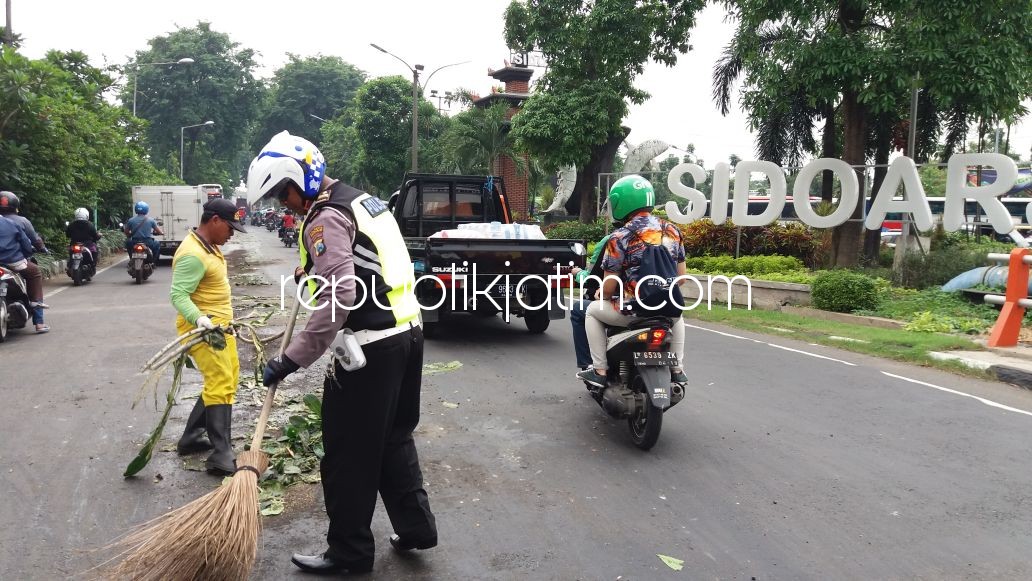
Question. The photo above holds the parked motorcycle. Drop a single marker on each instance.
(638, 384)
(141, 262)
(15, 309)
(82, 265)
(289, 237)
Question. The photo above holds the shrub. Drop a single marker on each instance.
(844, 291)
(747, 265)
(704, 238)
(574, 230)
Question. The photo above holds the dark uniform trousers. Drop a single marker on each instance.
(368, 418)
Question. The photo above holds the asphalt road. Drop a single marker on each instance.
(784, 461)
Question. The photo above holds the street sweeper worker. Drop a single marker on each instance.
(201, 294)
(350, 239)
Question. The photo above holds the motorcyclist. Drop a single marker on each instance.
(579, 305)
(12, 213)
(82, 231)
(287, 223)
(142, 228)
(630, 199)
(15, 251)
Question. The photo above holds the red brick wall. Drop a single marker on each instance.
(515, 188)
(517, 87)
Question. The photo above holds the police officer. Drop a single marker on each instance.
(351, 239)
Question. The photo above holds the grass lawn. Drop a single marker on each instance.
(907, 346)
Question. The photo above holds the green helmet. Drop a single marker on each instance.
(630, 193)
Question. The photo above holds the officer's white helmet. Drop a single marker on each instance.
(82, 214)
(286, 158)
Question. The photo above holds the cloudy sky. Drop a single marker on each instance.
(432, 33)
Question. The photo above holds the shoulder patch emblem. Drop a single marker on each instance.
(325, 195)
(315, 233)
(320, 248)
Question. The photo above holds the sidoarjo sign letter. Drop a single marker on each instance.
(902, 171)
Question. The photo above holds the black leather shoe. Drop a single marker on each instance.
(321, 564)
(404, 544)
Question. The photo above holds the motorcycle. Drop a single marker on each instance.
(289, 237)
(640, 390)
(15, 309)
(141, 262)
(82, 265)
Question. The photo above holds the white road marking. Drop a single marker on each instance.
(771, 344)
(987, 402)
(99, 272)
(812, 354)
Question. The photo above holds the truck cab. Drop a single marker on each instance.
(484, 276)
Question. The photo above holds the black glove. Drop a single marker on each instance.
(277, 369)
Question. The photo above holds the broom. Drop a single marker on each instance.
(214, 537)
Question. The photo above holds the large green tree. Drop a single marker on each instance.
(62, 145)
(304, 93)
(595, 50)
(369, 144)
(974, 59)
(219, 86)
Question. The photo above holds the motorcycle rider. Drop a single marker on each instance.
(589, 293)
(631, 199)
(15, 251)
(142, 228)
(288, 222)
(82, 231)
(13, 213)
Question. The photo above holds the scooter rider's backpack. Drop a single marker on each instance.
(656, 293)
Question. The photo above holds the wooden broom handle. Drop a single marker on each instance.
(259, 432)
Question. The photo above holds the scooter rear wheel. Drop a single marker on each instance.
(3, 321)
(646, 422)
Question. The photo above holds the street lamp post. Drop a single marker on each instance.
(415, 99)
(182, 132)
(136, 73)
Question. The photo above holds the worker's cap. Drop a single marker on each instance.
(226, 210)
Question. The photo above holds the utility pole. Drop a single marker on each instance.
(903, 243)
(8, 33)
(415, 117)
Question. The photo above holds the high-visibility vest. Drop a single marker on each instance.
(380, 257)
(212, 295)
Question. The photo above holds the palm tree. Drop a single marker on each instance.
(478, 138)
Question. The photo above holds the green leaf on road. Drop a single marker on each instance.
(441, 367)
(144, 456)
(314, 404)
(675, 564)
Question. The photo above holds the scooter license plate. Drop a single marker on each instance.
(77, 255)
(139, 255)
(654, 358)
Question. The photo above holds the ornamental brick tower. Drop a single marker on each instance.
(515, 92)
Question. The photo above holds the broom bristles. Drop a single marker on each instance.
(213, 538)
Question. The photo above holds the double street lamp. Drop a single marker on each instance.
(136, 73)
(182, 132)
(415, 99)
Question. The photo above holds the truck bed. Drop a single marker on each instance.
(497, 256)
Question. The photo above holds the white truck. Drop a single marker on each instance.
(177, 209)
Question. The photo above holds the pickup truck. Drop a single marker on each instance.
(479, 276)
